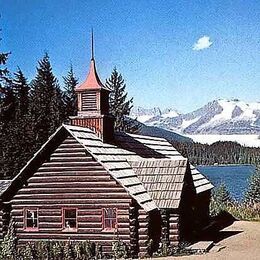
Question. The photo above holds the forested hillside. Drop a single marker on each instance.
(218, 153)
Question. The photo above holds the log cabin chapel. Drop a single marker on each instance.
(89, 182)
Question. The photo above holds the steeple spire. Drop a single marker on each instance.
(92, 81)
(92, 44)
(93, 102)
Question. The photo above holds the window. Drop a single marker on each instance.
(69, 219)
(109, 216)
(31, 219)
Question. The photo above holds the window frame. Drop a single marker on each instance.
(109, 229)
(26, 228)
(64, 228)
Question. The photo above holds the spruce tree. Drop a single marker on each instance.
(221, 194)
(46, 108)
(252, 195)
(70, 97)
(120, 105)
(21, 88)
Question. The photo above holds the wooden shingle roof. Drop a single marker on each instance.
(160, 148)
(114, 160)
(163, 179)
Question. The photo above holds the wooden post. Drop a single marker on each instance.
(134, 225)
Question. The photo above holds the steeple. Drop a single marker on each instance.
(92, 81)
(93, 103)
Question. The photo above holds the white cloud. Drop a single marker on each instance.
(202, 43)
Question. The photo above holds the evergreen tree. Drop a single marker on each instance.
(221, 194)
(21, 89)
(120, 105)
(15, 128)
(70, 97)
(3, 69)
(46, 108)
(252, 195)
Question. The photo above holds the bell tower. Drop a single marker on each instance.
(93, 103)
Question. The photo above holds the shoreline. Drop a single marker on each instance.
(223, 165)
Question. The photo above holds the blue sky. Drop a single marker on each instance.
(178, 54)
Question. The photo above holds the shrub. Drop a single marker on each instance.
(120, 249)
(9, 244)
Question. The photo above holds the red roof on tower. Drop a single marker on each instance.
(92, 81)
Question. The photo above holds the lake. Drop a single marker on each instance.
(235, 177)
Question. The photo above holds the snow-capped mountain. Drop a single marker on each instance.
(146, 114)
(217, 117)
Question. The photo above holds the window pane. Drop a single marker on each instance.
(109, 221)
(31, 218)
(113, 223)
(70, 213)
(70, 218)
(70, 223)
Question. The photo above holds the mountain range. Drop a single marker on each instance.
(218, 117)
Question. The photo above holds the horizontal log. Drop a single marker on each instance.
(72, 173)
(75, 205)
(72, 196)
(70, 154)
(71, 178)
(71, 201)
(76, 184)
(173, 226)
(68, 150)
(70, 145)
(57, 159)
(70, 164)
(82, 225)
(91, 166)
(174, 232)
(174, 238)
(46, 190)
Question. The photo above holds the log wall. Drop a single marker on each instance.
(1, 223)
(71, 178)
(174, 231)
(143, 219)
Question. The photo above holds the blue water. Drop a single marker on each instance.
(235, 177)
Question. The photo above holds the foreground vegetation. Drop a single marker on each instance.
(248, 209)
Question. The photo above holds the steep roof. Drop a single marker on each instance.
(155, 147)
(164, 180)
(92, 81)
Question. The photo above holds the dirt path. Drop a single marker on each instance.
(241, 242)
